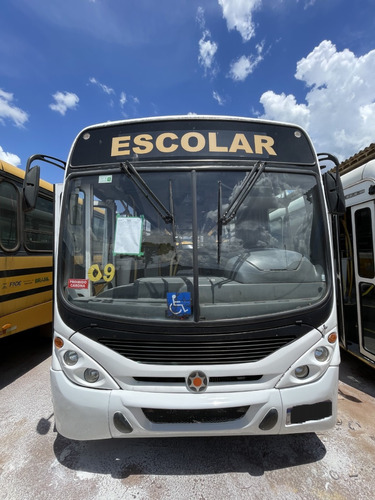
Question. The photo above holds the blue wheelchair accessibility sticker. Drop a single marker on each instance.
(179, 304)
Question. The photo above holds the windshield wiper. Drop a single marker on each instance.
(171, 206)
(131, 172)
(219, 224)
(245, 188)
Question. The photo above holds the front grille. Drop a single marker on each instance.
(211, 416)
(216, 380)
(195, 352)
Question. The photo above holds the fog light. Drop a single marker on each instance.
(269, 421)
(302, 371)
(70, 358)
(91, 375)
(121, 423)
(321, 354)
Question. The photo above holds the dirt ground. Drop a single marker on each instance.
(37, 463)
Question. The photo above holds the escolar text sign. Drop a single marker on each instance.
(160, 140)
(170, 143)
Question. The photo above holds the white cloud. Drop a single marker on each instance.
(122, 99)
(244, 66)
(104, 88)
(207, 51)
(239, 16)
(218, 98)
(11, 112)
(9, 157)
(64, 101)
(284, 108)
(207, 47)
(200, 18)
(309, 3)
(339, 112)
(131, 103)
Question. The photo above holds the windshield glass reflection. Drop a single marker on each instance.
(206, 262)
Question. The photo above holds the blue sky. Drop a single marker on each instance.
(68, 64)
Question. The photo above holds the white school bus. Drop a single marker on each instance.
(195, 290)
(357, 226)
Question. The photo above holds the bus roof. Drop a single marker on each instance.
(361, 173)
(191, 117)
(20, 174)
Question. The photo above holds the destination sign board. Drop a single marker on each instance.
(191, 139)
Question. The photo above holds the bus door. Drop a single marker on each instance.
(363, 221)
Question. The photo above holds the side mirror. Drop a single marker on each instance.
(32, 177)
(30, 187)
(333, 186)
(334, 193)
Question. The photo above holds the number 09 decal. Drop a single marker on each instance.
(107, 274)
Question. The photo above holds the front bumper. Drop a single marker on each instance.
(85, 414)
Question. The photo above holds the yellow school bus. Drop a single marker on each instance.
(26, 244)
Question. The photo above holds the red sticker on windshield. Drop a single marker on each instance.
(78, 284)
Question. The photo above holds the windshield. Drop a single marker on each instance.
(214, 246)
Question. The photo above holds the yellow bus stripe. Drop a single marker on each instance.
(25, 262)
(20, 303)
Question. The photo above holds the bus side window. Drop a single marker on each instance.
(363, 224)
(38, 231)
(9, 223)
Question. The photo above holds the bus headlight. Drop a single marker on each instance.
(91, 375)
(71, 358)
(312, 365)
(302, 371)
(321, 354)
(79, 367)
